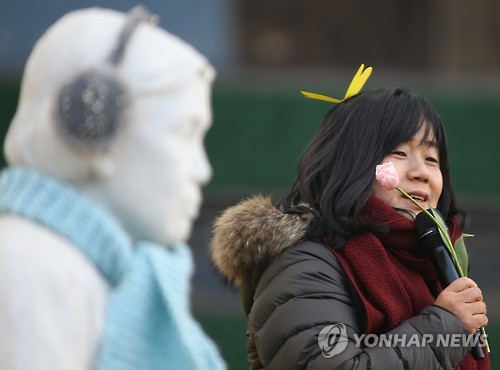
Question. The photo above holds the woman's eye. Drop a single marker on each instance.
(432, 159)
(399, 153)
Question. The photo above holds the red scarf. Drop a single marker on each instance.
(391, 273)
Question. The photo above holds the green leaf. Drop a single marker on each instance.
(461, 252)
(443, 231)
(438, 219)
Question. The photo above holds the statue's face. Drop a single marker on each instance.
(159, 164)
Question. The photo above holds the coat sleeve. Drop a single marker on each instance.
(304, 290)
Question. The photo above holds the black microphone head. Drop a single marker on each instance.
(427, 231)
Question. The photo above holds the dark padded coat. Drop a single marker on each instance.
(291, 289)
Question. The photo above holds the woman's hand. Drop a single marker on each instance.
(464, 298)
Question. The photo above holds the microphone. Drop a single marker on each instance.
(431, 241)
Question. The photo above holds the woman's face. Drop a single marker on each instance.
(160, 164)
(418, 167)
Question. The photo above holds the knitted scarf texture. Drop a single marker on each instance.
(148, 325)
(392, 275)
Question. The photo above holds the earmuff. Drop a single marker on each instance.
(90, 107)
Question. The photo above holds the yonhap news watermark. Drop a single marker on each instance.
(333, 339)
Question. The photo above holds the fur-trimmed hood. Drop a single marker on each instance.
(248, 235)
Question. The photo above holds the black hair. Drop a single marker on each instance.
(337, 171)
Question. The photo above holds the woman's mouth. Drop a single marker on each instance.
(419, 197)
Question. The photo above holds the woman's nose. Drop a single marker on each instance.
(418, 170)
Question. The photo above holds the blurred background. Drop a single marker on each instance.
(265, 52)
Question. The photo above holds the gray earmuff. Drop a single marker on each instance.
(90, 108)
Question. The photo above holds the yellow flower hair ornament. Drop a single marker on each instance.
(357, 83)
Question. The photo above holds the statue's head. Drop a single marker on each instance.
(118, 107)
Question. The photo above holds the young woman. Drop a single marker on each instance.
(336, 265)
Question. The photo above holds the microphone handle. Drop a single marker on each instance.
(448, 272)
(444, 265)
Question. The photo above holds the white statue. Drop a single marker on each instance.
(122, 157)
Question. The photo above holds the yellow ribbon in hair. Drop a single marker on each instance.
(357, 83)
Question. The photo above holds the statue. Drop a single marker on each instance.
(105, 163)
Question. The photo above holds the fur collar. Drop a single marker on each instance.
(248, 235)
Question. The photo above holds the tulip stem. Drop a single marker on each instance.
(449, 246)
(444, 232)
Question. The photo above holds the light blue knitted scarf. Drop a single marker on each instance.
(149, 325)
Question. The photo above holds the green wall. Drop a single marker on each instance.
(258, 137)
(8, 102)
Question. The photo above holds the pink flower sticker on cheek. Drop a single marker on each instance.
(387, 175)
